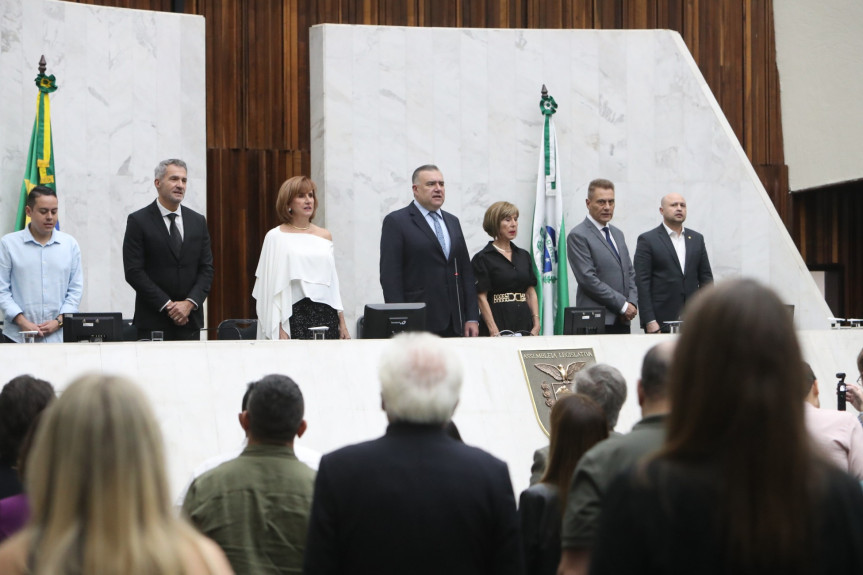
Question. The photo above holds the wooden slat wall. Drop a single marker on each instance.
(826, 225)
(258, 99)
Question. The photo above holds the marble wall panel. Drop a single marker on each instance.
(390, 128)
(581, 105)
(633, 108)
(612, 108)
(527, 55)
(316, 114)
(421, 123)
(131, 92)
(446, 147)
(14, 115)
(500, 71)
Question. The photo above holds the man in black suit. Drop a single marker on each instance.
(670, 266)
(415, 500)
(424, 258)
(167, 258)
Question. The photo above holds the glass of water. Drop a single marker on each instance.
(29, 336)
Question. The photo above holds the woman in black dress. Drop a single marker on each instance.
(505, 280)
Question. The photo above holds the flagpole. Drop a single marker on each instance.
(547, 246)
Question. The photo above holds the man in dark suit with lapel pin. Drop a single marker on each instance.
(670, 266)
(600, 261)
(424, 258)
(167, 259)
(415, 500)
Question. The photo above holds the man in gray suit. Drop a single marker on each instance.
(600, 261)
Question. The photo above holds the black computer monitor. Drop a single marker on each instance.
(583, 320)
(384, 320)
(95, 327)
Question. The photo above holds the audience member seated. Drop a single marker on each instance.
(256, 507)
(854, 392)
(738, 486)
(603, 384)
(99, 494)
(601, 464)
(15, 510)
(415, 500)
(308, 456)
(577, 424)
(837, 433)
(20, 401)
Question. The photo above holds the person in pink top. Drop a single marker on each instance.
(837, 434)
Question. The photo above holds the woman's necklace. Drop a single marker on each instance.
(298, 228)
(501, 250)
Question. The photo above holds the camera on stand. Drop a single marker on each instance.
(840, 392)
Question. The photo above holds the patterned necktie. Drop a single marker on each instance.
(438, 231)
(611, 243)
(176, 239)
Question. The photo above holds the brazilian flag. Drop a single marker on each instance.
(40, 159)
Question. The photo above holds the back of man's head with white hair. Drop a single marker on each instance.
(420, 379)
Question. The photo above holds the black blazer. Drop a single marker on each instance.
(157, 275)
(414, 269)
(663, 288)
(540, 515)
(414, 501)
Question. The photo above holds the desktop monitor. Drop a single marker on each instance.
(583, 321)
(92, 327)
(384, 320)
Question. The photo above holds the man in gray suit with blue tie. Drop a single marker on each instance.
(600, 260)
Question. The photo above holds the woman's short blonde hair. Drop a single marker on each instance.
(97, 485)
(495, 214)
(290, 190)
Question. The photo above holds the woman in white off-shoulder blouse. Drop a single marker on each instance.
(296, 285)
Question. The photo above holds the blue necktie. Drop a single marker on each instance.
(611, 243)
(438, 231)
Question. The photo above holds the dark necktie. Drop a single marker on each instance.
(176, 239)
(611, 243)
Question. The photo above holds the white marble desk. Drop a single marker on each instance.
(196, 387)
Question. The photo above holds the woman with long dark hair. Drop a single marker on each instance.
(577, 424)
(737, 487)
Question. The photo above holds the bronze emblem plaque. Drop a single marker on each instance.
(549, 374)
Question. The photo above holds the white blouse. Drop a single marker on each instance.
(292, 267)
